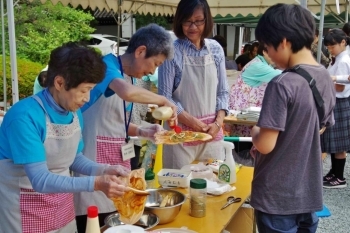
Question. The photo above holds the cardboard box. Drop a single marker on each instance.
(242, 222)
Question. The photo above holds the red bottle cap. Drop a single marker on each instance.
(92, 211)
(177, 129)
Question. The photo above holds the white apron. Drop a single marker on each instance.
(197, 92)
(32, 212)
(103, 138)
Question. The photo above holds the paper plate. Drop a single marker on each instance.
(125, 229)
(176, 230)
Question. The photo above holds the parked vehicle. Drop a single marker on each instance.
(107, 43)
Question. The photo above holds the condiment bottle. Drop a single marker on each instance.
(92, 223)
(162, 113)
(198, 196)
(149, 177)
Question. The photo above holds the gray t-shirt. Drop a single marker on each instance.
(288, 180)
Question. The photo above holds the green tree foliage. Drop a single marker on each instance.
(27, 72)
(42, 27)
(143, 20)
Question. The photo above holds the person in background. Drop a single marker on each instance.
(346, 29)
(229, 64)
(41, 143)
(314, 48)
(246, 48)
(287, 181)
(243, 59)
(249, 89)
(195, 80)
(139, 112)
(335, 140)
(39, 83)
(107, 127)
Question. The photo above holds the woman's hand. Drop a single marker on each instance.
(110, 185)
(214, 129)
(148, 131)
(117, 170)
(174, 108)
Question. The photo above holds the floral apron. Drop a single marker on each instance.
(197, 93)
(243, 96)
(30, 211)
(103, 139)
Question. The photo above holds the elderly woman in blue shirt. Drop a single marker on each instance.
(195, 80)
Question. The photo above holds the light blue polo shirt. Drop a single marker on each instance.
(23, 130)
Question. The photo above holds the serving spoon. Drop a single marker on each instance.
(138, 192)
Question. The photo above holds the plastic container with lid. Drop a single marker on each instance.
(92, 223)
(199, 171)
(150, 181)
(198, 196)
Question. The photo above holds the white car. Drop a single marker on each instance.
(106, 43)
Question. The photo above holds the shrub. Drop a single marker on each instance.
(27, 72)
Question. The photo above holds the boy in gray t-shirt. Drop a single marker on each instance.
(287, 183)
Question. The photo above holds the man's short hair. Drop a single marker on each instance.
(346, 28)
(283, 21)
(42, 78)
(221, 40)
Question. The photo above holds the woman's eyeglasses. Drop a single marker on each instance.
(197, 23)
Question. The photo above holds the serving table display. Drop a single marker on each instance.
(216, 219)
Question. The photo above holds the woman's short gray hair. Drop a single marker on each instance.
(156, 39)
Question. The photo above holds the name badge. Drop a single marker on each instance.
(128, 151)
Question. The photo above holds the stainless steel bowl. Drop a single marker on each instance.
(165, 203)
(147, 220)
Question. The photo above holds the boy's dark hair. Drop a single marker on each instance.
(335, 36)
(261, 49)
(42, 76)
(346, 28)
(291, 22)
(76, 64)
(184, 11)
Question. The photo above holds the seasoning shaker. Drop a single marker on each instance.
(198, 196)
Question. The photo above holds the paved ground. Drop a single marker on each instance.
(338, 202)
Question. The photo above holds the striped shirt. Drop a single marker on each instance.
(170, 72)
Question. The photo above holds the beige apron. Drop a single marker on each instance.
(197, 93)
(103, 138)
(33, 212)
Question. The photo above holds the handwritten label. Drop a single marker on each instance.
(128, 151)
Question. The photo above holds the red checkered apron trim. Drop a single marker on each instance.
(43, 213)
(109, 151)
(208, 119)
